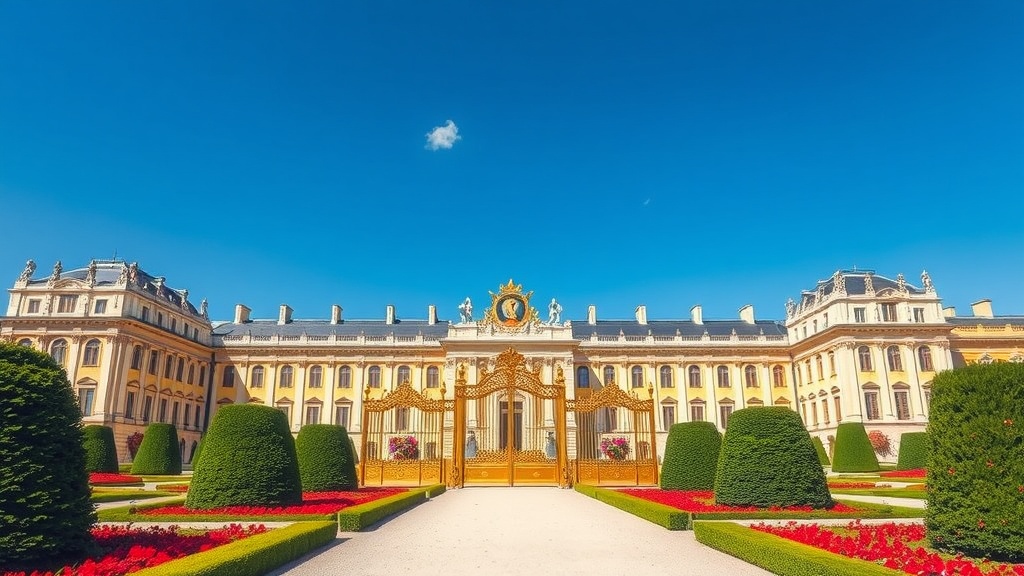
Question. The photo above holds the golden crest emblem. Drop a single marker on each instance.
(510, 307)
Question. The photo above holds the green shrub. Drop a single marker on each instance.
(853, 452)
(100, 451)
(160, 452)
(779, 555)
(819, 447)
(365, 515)
(691, 456)
(913, 451)
(45, 512)
(976, 467)
(195, 455)
(768, 460)
(660, 514)
(248, 459)
(325, 458)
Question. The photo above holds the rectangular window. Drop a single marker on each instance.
(229, 377)
(168, 366)
(433, 378)
(154, 360)
(341, 414)
(696, 412)
(199, 412)
(668, 416)
(66, 303)
(839, 409)
(174, 324)
(825, 320)
(147, 409)
(316, 377)
(724, 411)
(188, 416)
(345, 378)
(129, 405)
(918, 314)
(858, 315)
(174, 413)
(312, 414)
(100, 307)
(286, 410)
(871, 406)
(33, 306)
(195, 333)
(85, 398)
(889, 312)
(814, 413)
(401, 419)
(161, 415)
(902, 405)
(145, 314)
(824, 410)
(160, 319)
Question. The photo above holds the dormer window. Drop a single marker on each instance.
(918, 315)
(889, 312)
(858, 315)
(67, 303)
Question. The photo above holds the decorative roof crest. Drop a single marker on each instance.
(510, 308)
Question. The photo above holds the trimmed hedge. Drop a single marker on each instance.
(248, 459)
(853, 451)
(768, 460)
(660, 514)
(159, 452)
(100, 451)
(45, 512)
(976, 468)
(913, 451)
(365, 515)
(195, 455)
(779, 555)
(820, 449)
(325, 458)
(258, 554)
(691, 456)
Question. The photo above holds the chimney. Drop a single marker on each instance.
(390, 314)
(641, 314)
(241, 313)
(335, 314)
(284, 316)
(592, 315)
(982, 308)
(431, 314)
(949, 312)
(697, 314)
(747, 314)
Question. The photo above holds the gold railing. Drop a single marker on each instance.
(615, 439)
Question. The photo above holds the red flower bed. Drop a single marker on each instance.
(99, 478)
(915, 473)
(312, 503)
(704, 501)
(895, 546)
(848, 485)
(124, 549)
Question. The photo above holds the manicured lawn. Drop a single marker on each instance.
(908, 492)
(99, 495)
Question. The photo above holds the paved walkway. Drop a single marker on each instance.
(511, 531)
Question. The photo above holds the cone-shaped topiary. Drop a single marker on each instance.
(196, 453)
(768, 459)
(100, 451)
(248, 458)
(853, 452)
(976, 464)
(913, 451)
(325, 458)
(45, 512)
(160, 452)
(691, 456)
(820, 449)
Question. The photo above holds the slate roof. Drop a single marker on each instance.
(995, 321)
(325, 328)
(580, 329)
(854, 281)
(107, 274)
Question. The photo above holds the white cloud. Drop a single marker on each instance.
(646, 202)
(443, 136)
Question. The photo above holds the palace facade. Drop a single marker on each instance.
(857, 347)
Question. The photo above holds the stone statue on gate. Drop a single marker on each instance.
(26, 274)
(471, 444)
(466, 311)
(549, 445)
(554, 312)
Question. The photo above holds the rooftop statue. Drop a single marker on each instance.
(57, 269)
(26, 274)
(926, 281)
(90, 273)
(466, 311)
(554, 312)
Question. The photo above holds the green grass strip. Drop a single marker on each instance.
(660, 514)
(863, 510)
(781, 556)
(883, 492)
(119, 495)
(357, 518)
(253, 555)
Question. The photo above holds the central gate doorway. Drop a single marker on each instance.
(508, 427)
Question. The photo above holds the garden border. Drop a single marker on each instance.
(660, 514)
(361, 516)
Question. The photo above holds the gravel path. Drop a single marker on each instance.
(510, 531)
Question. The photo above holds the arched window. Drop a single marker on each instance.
(137, 358)
(609, 375)
(693, 373)
(25, 342)
(864, 356)
(59, 350)
(181, 369)
(91, 356)
(404, 374)
(636, 377)
(583, 377)
(168, 366)
(433, 377)
(316, 377)
(832, 363)
(666, 377)
(779, 377)
(750, 376)
(924, 356)
(895, 358)
(345, 377)
(256, 380)
(374, 377)
(723, 376)
(285, 380)
(191, 373)
(202, 379)
(820, 366)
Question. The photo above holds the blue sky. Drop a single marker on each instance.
(667, 154)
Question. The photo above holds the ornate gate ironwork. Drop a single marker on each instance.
(508, 427)
(615, 439)
(403, 438)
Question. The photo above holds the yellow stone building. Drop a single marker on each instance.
(858, 347)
